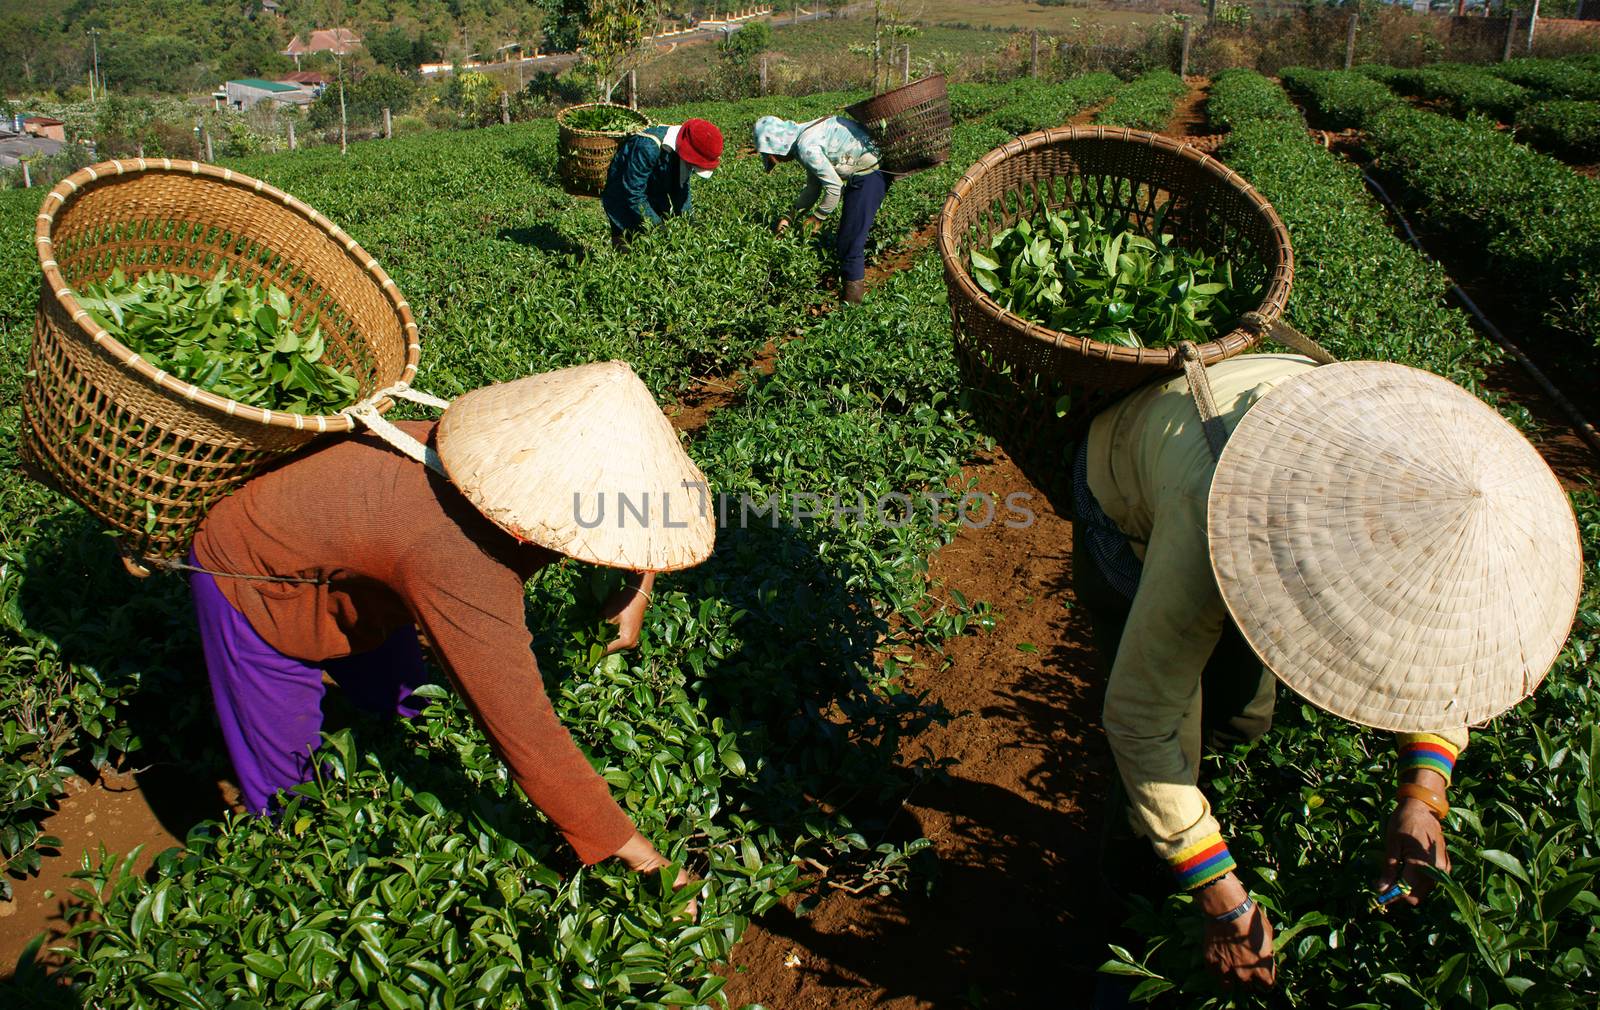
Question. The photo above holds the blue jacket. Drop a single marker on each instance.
(646, 182)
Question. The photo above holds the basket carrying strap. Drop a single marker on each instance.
(1200, 387)
(1289, 337)
(366, 412)
(1200, 393)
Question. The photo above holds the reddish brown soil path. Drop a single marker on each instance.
(115, 813)
(1189, 118)
(1010, 921)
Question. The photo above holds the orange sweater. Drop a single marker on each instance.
(397, 545)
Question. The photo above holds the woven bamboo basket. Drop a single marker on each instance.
(911, 125)
(1031, 384)
(583, 157)
(144, 452)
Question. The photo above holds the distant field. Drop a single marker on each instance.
(1022, 14)
(984, 27)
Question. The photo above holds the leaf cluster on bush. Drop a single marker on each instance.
(1145, 103)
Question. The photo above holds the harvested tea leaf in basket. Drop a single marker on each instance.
(229, 338)
(603, 119)
(1085, 272)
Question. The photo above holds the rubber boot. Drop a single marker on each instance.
(854, 291)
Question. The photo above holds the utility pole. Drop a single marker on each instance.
(94, 75)
(344, 144)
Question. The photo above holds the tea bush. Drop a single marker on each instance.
(1243, 96)
(1537, 219)
(1359, 289)
(1337, 99)
(1551, 78)
(1038, 105)
(1514, 923)
(1145, 103)
(1562, 126)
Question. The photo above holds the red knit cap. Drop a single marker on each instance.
(700, 144)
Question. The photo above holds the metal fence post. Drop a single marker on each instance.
(1533, 23)
(388, 124)
(1350, 42)
(631, 88)
(1188, 38)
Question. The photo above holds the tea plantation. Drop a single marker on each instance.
(761, 730)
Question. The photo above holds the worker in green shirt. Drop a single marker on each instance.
(650, 173)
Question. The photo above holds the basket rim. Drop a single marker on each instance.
(1273, 299)
(107, 173)
(561, 120)
(930, 82)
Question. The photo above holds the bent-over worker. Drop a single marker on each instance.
(1363, 536)
(334, 560)
(841, 164)
(649, 175)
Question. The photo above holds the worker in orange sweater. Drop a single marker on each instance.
(334, 560)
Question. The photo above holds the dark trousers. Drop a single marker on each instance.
(863, 195)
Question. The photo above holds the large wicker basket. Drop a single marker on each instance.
(911, 125)
(1031, 384)
(583, 157)
(142, 451)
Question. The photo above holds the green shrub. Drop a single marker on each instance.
(1473, 90)
(1538, 220)
(1243, 96)
(1145, 103)
(1339, 99)
(1551, 78)
(1562, 126)
(1039, 105)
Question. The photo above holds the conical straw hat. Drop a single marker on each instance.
(581, 461)
(1392, 549)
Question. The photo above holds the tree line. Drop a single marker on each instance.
(186, 46)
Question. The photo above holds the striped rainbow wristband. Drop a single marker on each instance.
(1202, 863)
(1424, 750)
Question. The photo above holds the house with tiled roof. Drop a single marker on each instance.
(338, 41)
